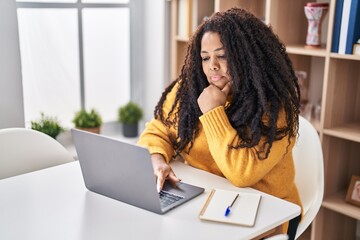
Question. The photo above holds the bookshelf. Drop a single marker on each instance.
(332, 78)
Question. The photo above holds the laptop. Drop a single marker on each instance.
(124, 172)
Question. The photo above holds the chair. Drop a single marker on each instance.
(309, 169)
(24, 150)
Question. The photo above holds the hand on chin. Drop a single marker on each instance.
(219, 84)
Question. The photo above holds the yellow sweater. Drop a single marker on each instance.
(210, 152)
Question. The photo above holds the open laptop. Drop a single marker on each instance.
(124, 172)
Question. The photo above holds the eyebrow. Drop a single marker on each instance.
(218, 49)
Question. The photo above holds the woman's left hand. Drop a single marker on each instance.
(212, 97)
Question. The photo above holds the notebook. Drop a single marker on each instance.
(243, 210)
(124, 172)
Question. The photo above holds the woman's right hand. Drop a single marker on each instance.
(162, 171)
(212, 97)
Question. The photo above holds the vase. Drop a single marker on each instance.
(130, 129)
(315, 13)
(93, 130)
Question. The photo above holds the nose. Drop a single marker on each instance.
(214, 65)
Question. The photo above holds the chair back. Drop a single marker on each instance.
(309, 170)
(24, 150)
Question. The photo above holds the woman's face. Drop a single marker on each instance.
(214, 63)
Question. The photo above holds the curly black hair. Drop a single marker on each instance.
(264, 83)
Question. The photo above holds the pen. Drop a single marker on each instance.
(228, 209)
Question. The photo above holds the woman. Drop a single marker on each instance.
(234, 109)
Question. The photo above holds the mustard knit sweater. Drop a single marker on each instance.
(210, 152)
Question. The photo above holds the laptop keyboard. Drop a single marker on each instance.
(167, 198)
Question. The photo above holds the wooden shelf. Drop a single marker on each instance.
(182, 39)
(337, 203)
(345, 56)
(302, 50)
(349, 131)
(332, 78)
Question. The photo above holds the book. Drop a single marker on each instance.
(353, 33)
(344, 26)
(243, 211)
(337, 25)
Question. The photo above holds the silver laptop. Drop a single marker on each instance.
(124, 172)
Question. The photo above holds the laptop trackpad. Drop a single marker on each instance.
(180, 188)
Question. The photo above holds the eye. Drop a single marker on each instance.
(204, 59)
(222, 56)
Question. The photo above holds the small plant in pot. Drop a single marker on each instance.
(48, 125)
(129, 115)
(88, 120)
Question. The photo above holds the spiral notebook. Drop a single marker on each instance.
(242, 212)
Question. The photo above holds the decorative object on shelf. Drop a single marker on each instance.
(356, 49)
(301, 76)
(48, 125)
(307, 111)
(89, 121)
(353, 192)
(315, 13)
(317, 111)
(305, 108)
(129, 115)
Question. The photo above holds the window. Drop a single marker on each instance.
(74, 55)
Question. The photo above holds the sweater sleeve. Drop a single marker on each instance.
(156, 136)
(241, 166)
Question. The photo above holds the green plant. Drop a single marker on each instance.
(85, 119)
(130, 113)
(48, 125)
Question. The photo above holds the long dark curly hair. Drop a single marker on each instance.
(264, 83)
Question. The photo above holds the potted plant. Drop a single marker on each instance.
(129, 115)
(48, 125)
(88, 120)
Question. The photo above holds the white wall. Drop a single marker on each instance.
(11, 99)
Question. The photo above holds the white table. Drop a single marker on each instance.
(54, 204)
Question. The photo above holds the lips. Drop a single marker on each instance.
(215, 77)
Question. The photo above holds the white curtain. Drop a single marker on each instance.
(49, 47)
(50, 63)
